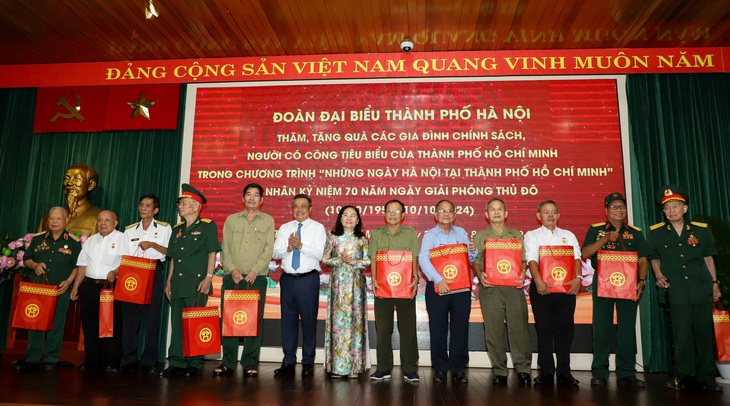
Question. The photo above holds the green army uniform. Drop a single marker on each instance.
(632, 240)
(690, 293)
(60, 258)
(247, 246)
(188, 249)
(404, 239)
(500, 304)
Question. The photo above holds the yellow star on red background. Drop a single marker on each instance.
(141, 106)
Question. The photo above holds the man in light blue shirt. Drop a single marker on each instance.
(445, 306)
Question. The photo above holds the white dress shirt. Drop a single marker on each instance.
(156, 232)
(314, 238)
(543, 236)
(100, 255)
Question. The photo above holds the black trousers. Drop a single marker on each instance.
(99, 351)
(135, 315)
(555, 328)
(448, 322)
(299, 300)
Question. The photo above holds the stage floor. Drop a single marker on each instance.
(67, 386)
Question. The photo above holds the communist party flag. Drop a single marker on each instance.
(107, 108)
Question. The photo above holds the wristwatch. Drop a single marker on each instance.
(579, 277)
(640, 280)
(716, 283)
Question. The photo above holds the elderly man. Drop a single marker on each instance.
(448, 312)
(54, 254)
(300, 246)
(502, 304)
(192, 251)
(147, 238)
(395, 237)
(78, 183)
(248, 243)
(98, 264)
(553, 312)
(615, 235)
(682, 261)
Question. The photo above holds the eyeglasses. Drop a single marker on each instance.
(445, 211)
(617, 207)
(393, 211)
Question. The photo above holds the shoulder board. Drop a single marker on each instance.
(179, 224)
(131, 225)
(657, 225)
(206, 220)
(41, 233)
(163, 224)
(73, 237)
(634, 227)
(698, 224)
(601, 224)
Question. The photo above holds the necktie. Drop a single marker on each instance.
(295, 255)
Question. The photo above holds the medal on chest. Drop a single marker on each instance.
(692, 240)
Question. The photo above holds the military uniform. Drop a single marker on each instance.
(690, 293)
(631, 239)
(404, 239)
(60, 257)
(502, 304)
(188, 249)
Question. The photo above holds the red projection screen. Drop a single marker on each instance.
(366, 142)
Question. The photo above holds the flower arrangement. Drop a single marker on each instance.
(11, 255)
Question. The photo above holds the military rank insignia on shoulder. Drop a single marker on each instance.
(634, 227)
(179, 224)
(37, 234)
(163, 224)
(131, 225)
(206, 220)
(657, 225)
(698, 224)
(74, 237)
(601, 224)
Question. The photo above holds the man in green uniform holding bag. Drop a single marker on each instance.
(192, 249)
(52, 253)
(615, 235)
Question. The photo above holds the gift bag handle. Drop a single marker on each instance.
(397, 263)
(718, 305)
(43, 279)
(550, 248)
(195, 303)
(106, 285)
(248, 286)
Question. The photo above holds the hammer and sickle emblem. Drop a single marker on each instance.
(130, 283)
(240, 317)
(450, 272)
(73, 112)
(558, 273)
(32, 310)
(205, 335)
(504, 266)
(394, 279)
(617, 279)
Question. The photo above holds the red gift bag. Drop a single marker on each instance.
(394, 273)
(135, 279)
(452, 263)
(721, 320)
(503, 262)
(241, 313)
(36, 306)
(201, 331)
(617, 273)
(557, 266)
(106, 311)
